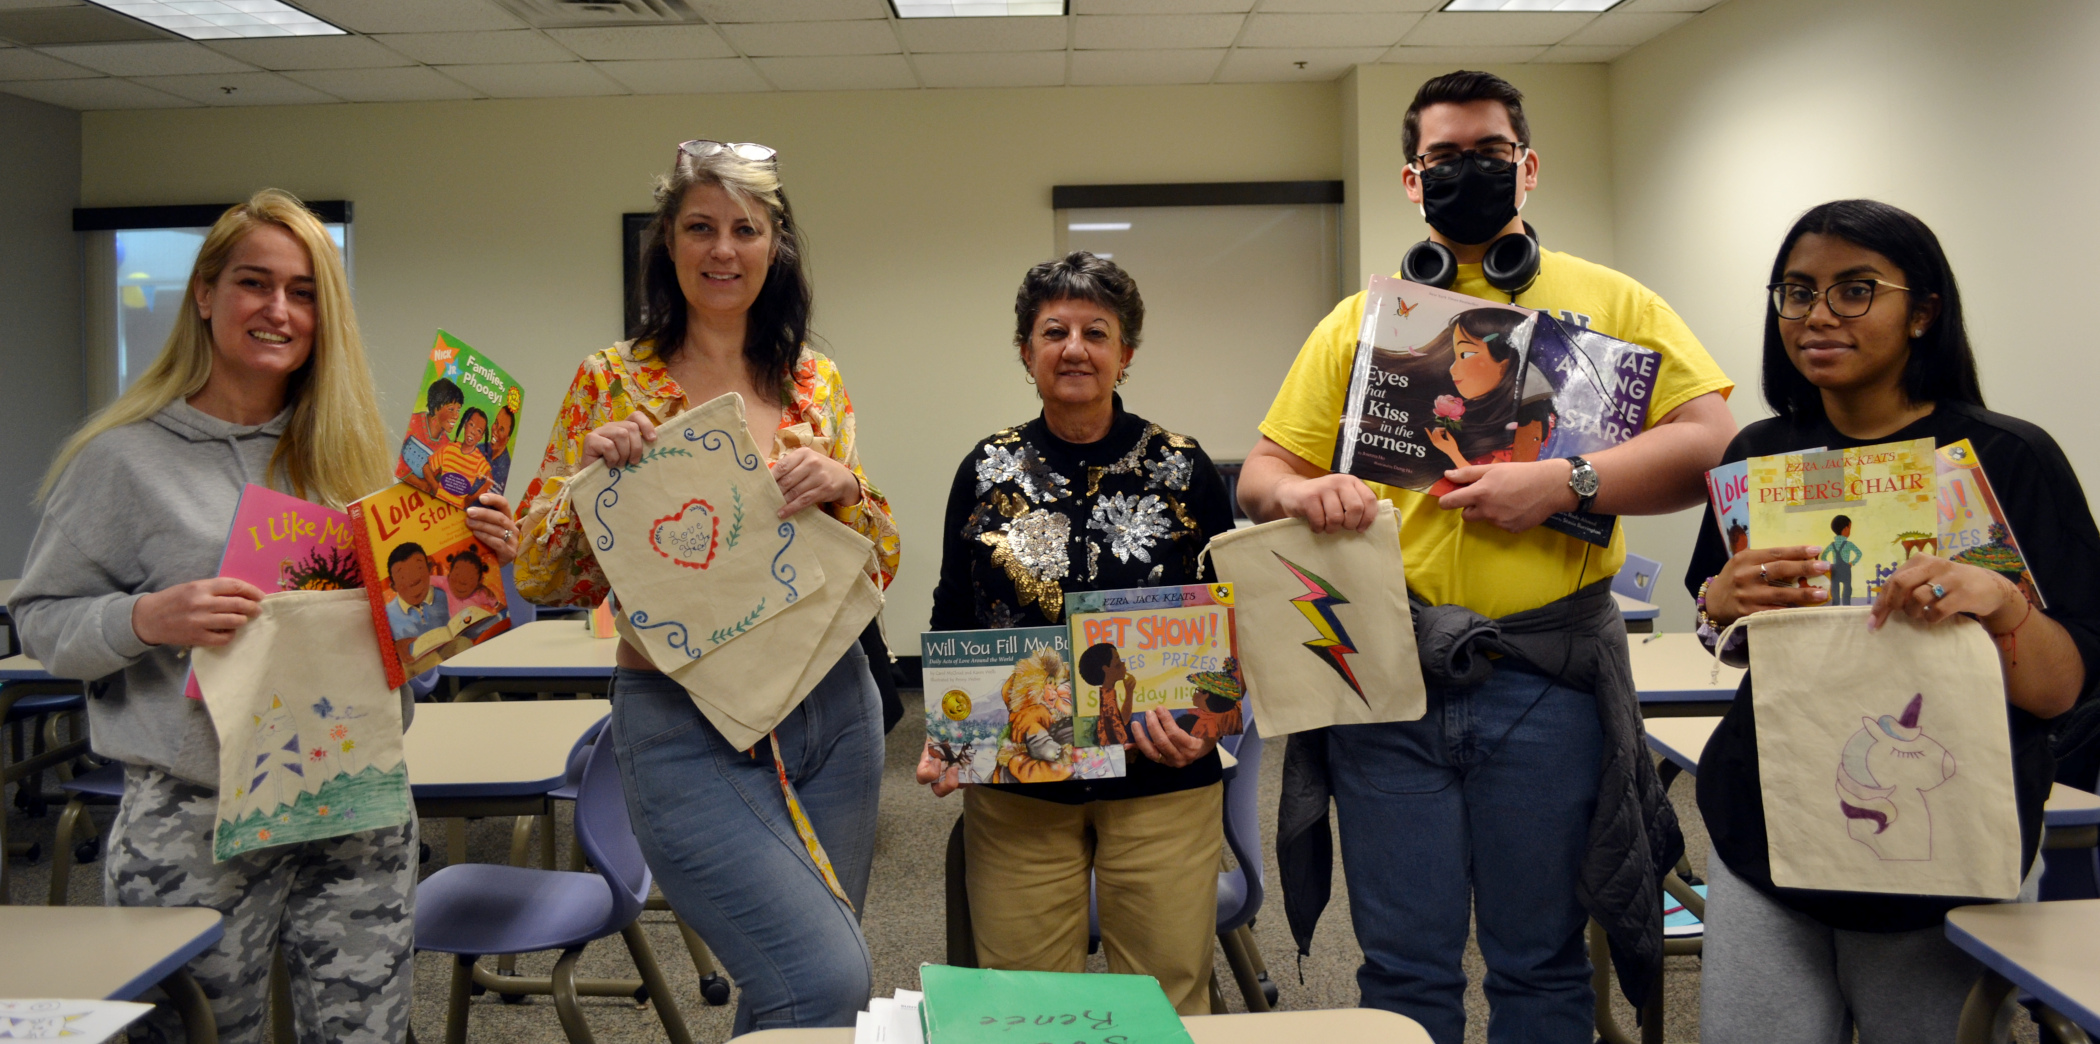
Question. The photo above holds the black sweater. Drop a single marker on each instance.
(2047, 512)
(1032, 516)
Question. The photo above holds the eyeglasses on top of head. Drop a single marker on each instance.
(1847, 298)
(702, 148)
(1493, 158)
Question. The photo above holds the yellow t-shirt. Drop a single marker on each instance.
(1478, 565)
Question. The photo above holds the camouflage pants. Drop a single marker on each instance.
(343, 909)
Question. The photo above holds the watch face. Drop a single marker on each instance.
(1584, 481)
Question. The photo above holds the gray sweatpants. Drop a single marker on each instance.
(343, 910)
(1772, 975)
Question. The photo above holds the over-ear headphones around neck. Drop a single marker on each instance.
(1510, 265)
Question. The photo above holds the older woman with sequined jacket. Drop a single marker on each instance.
(1087, 496)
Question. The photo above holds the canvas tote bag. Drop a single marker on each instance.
(309, 733)
(691, 538)
(1325, 634)
(1886, 755)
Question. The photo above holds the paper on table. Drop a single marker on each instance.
(691, 538)
(73, 1021)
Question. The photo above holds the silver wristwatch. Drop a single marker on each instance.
(1583, 480)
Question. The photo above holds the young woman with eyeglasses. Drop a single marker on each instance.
(1865, 343)
(726, 305)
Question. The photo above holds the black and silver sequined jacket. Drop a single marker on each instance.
(1032, 516)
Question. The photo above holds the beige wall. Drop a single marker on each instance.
(45, 390)
(497, 220)
(1976, 117)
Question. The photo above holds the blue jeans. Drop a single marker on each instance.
(1484, 803)
(715, 830)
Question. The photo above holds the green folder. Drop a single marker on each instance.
(979, 1006)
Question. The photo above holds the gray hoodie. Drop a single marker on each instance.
(141, 509)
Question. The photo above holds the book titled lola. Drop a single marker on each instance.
(282, 543)
(435, 590)
(1869, 508)
(1139, 648)
(999, 707)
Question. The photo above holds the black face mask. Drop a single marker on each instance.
(1472, 207)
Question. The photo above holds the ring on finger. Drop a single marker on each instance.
(1939, 591)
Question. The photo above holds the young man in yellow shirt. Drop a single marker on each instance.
(1486, 805)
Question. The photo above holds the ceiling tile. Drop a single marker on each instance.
(921, 35)
(311, 52)
(1494, 29)
(789, 10)
(1350, 6)
(1575, 54)
(1461, 56)
(1012, 69)
(414, 83)
(506, 47)
(1126, 7)
(1262, 65)
(535, 80)
(1648, 6)
(1327, 30)
(773, 39)
(643, 42)
(1117, 32)
(412, 16)
(169, 58)
(21, 63)
(1625, 30)
(685, 76)
(105, 93)
(851, 73)
(1105, 68)
(231, 89)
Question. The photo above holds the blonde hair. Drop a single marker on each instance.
(335, 448)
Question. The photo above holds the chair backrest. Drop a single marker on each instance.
(1243, 835)
(605, 833)
(1637, 578)
(521, 611)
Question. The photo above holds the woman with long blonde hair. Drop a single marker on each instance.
(263, 380)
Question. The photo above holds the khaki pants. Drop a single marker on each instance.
(1155, 863)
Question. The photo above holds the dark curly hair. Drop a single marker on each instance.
(1079, 276)
(1460, 87)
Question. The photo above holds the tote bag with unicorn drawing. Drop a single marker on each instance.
(1886, 755)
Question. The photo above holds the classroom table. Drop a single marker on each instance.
(2047, 949)
(493, 759)
(545, 656)
(1328, 1026)
(1640, 616)
(110, 953)
(1673, 674)
(27, 689)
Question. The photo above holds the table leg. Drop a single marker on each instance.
(190, 1002)
(455, 841)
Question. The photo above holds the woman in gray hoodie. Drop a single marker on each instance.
(263, 380)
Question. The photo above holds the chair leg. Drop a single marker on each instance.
(520, 839)
(653, 977)
(1217, 995)
(1985, 1009)
(62, 850)
(714, 989)
(198, 1025)
(572, 1024)
(547, 838)
(1238, 944)
(1600, 981)
(456, 1004)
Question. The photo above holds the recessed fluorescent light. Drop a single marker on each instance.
(1530, 5)
(223, 19)
(1098, 226)
(977, 8)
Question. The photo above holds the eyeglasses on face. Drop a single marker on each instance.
(1847, 298)
(702, 148)
(1493, 158)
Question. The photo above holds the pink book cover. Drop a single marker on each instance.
(281, 543)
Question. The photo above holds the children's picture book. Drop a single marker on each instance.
(72, 1021)
(1973, 530)
(1145, 647)
(985, 1006)
(1582, 392)
(465, 425)
(1435, 385)
(435, 591)
(999, 708)
(281, 543)
(1868, 508)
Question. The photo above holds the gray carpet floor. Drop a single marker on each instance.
(904, 922)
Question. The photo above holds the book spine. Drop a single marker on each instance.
(375, 594)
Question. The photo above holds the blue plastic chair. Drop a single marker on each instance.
(1636, 579)
(103, 786)
(474, 909)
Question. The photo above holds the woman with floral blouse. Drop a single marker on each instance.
(770, 867)
(1087, 496)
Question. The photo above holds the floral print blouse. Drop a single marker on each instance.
(555, 565)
